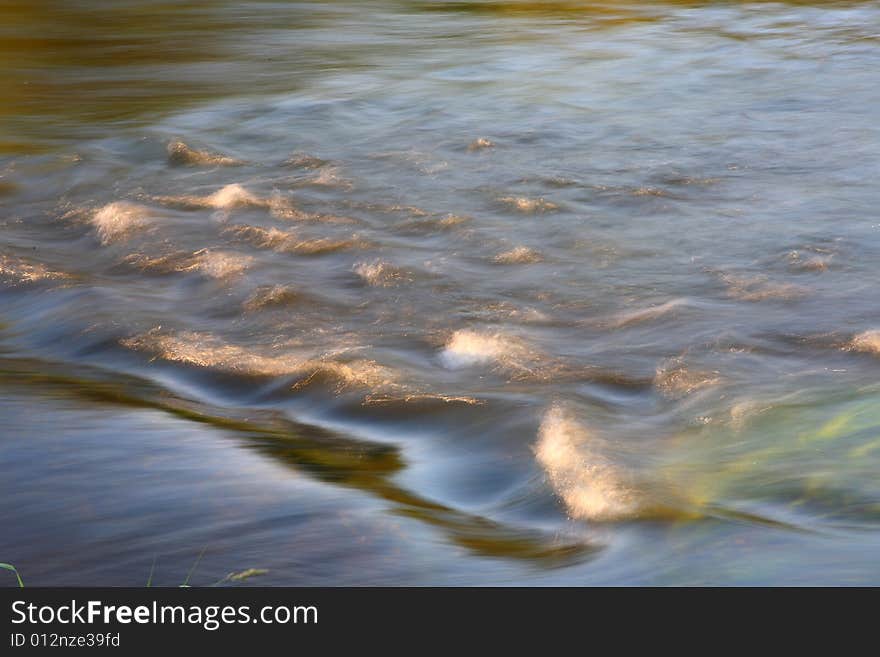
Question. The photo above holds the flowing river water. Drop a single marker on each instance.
(423, 292)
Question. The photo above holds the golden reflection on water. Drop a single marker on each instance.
(70, 65)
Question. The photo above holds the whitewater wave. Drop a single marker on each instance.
(218, 264)
(271, 296)
(19, 271)
(868, 342)
(480, 144)
(208, 262)
(468, 348)
(206, 350)
(590, 485)
(378, 273)
(180, 153)
(264, 238)
(236, 196)
(521, 255)
(226, 198)
(116, 221)
(528, 205)
(286, 241)
(232, 196)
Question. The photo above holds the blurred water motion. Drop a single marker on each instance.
(440, 292)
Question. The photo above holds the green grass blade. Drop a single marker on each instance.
(152, 568)
(9, 566)
(194, 566)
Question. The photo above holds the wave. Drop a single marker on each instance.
(759, 288)
(218, 264)
(420, 225)
(631, 317)
(264, 238)
(797, 261)
(116, 221)
(323, 245)
(421, 400)
(378, 273)
(285, 241)
(236, 196)
(328, 177)
(467, 348)
(232, 196)
(528, 205)
(271, 296)
(180, 153)
(20, 271)
(521, 255)
(517, 359)
(868, 342)
(228, 197)
(480, 144)
(209, 262)
(204, 350)
(674, 379)
(305, 161)
(590, 485)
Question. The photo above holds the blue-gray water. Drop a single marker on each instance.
(440, 292)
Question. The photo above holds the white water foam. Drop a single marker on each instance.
(589, 484)
(116, 221)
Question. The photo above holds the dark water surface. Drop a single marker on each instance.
(440, 292)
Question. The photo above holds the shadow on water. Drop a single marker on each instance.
(324, 455)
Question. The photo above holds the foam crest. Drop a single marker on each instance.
(180, 153)
(215, 264)
(468, 348)
(272, 296)
(378, 273)
(229, 197)
(18, 270)
(232, 196)
(116, 221)
(521, 255)
(285, 241)
(868, 342)
(480, 144)
(205, 350)
(528, 205)
(264, 238)
(589, 484)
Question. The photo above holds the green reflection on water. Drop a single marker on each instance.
(808, 463)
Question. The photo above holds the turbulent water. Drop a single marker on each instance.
(423, 292)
